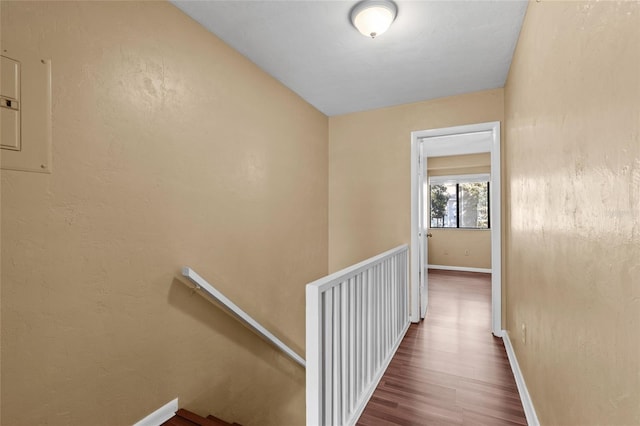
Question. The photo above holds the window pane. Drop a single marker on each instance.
(474, 205)
(443, 206)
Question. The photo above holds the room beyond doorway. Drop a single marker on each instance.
(457, 212)
(458, 140)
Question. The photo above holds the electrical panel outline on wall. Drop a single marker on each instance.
(10, 101)
(25, 107)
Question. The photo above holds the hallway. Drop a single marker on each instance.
(449, 370)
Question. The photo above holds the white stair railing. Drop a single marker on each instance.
(206, 289)
(356, 319)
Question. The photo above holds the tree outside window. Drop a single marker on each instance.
(439, 199)
(459, 203)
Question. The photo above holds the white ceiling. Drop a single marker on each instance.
(433, 49)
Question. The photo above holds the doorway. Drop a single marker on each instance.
(459, 140)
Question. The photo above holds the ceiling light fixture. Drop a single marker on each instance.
(373, 17)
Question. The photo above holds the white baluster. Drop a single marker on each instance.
(344, 352)
(328, 358)
(352, 342)
(337, 367)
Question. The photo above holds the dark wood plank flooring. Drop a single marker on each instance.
(449, 370)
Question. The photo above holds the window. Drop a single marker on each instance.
(459, 201)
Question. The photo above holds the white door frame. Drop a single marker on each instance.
(423, 245)
(461, 140)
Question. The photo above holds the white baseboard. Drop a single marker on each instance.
(460, 268)
(161, 415)
(527, 404)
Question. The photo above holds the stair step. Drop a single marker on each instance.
(178, 421)
(220, 421)
(187, 418)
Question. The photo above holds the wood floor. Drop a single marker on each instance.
(449, 370)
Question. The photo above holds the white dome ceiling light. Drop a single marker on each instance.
(373, 17)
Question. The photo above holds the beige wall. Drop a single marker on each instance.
(371, 212)
(573, 156)
(1, 248)
(459, 247)
(170, 149)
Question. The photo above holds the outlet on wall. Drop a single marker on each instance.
(523, 333)
(466, 252)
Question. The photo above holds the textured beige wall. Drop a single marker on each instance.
(169, 149)
(448, 247)
(573, 156)
(459, 247)
(371, 212)
(0, 248)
